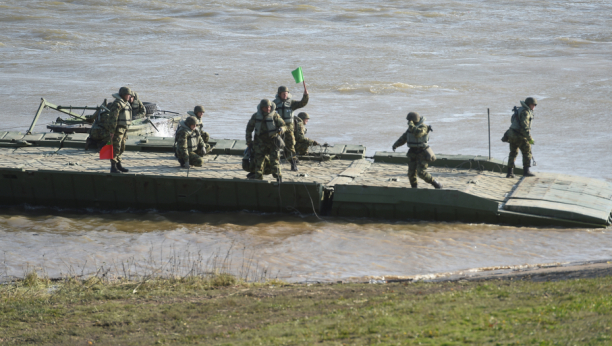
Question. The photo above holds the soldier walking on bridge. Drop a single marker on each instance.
(417, 137)
(519, 136)
(266, 143)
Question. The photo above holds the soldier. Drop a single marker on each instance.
(138, 109)
(113, 126)
(285, 106)
(301, 142)
(198, 112)
(189, 144)
(417, 137)
(268, 127)
(519, 136)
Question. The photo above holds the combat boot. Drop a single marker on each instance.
(119, 167)
(114, 167)
(436, 184)
(294, 164)
(527, 173)
(251, 176)
(510, 173)
(414, 186)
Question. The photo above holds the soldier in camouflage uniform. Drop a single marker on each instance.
(138, 109)
(198, 112)
(519, 136)
(189, 144)
(417, 137)
(268, 127)
(285, 106)
(113, 126)
(301, 142)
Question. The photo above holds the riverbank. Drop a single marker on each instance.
(544, 307)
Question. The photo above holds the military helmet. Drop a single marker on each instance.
(265, 103)
(414, 117)
(531, 101)
(282, 89)
(303, 116)
(191, 121)
(125, 91)
(197, 109)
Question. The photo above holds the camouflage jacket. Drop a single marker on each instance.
(300, 132)
(200, 127)
(521, 124)
(417, 135)
(285, 108)
(187, 141)
(265, 127)
(107, 121)
(138, 109)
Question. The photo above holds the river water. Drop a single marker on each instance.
(366, 64)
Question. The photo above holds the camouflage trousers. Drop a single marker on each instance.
(301, 148)
(266, 152)
(417, 165)
(289, 139)
(522, 143)
(119, 138)
(194, 160)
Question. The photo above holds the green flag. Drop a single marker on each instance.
(297, 75)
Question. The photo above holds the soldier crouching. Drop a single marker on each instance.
(302, 143)
(189, 144)
(417, 137)
(198, 112)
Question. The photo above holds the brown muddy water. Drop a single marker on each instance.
(366, 63)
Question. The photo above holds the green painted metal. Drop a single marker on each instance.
(406, 203)
(544, 200)
(75, 140)
(121, 191)
(38, 113)
(564, 197)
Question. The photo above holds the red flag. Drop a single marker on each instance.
(106, 153)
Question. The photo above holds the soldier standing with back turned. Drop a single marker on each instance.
(417, 137)
(519, 136)
(285, 106)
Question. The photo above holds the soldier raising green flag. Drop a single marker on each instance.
(285, 106)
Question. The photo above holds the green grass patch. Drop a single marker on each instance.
(225, 311)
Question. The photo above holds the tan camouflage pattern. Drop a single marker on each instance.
(264, 145)
(289, 137)
(119, 138)
(189, 144)
(138, 109)
(417, 157)
(517, 142)
(302, 143)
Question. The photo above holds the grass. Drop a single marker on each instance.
(221, 309)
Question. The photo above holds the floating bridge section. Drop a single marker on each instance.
(51, 169)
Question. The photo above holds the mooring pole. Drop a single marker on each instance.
(489, 118)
